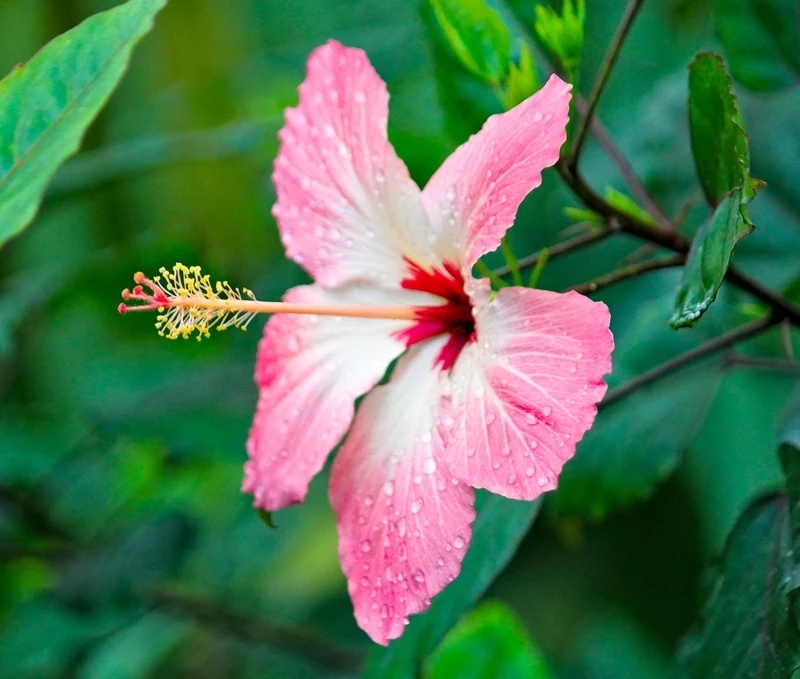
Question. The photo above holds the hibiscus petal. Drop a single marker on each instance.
(404, 521)
(473, 198)
(526, 392)
(347, 208)
(310, 370)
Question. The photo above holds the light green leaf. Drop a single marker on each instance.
(488, 642)
(628, 206)
(562, 34)
(709, 259)
(761, 40)
(477, 36)
(523, 80)
(49, 103)
(497, 531)
(746, 629)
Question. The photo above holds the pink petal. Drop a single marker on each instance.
(473, 198)
(404, 520)
(525, 393)
(346, 208)
(309, 371)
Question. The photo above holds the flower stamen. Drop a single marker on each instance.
(187, 303)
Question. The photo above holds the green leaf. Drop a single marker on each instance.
(761, 40)
(562, 34)
(635, 444)
(746, 628)
(497, 531)
(709, 259)
(789, 452)
(583, 215)
(628, 206)
(719, 143)
(523, 80)
(49, 103)
(477, 36)
(488, 642)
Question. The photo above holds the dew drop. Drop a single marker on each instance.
(547, 411)
(512, 478)
(543, 481)
(458, 543)
(418, 576)
(429, 466)
(529, 472)
(368, 500)
(401, 527)
(388, 488)
(538, 117)
(366, 546)
(416, 506)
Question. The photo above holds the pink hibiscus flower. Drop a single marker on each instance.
(489, 391)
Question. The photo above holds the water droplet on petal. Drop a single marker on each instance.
(366, 546)
(416, 506)
(458, 543)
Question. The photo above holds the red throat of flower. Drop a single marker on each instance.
(453, 318)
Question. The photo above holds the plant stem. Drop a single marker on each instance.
(626, 272)
(672, 240)
(564, 247)
(712, 346)
(602, 77)
(765, 363)
(249, 628)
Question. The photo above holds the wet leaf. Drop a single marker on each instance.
(746, 629)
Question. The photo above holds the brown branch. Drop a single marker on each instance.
(712, 346)
(253, 629)
(626, 272)
(602, 77)
(734, 360)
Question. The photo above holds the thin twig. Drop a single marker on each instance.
(602, 77)
(668, 367)
(637, 188)
(733, 360)
(214, 615)
(594, 236)
(626, 272)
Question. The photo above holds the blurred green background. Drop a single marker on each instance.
(126, 548)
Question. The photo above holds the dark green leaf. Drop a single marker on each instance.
(635, 444)
(746, 629)
(488, 642)
(719, 143)
(789, 452)
(500, 526)
(49, 103)
(761, 41)
(709, 259)
(477, 36)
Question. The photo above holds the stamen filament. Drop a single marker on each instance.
(187, 302)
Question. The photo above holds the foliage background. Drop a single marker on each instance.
(126, 549)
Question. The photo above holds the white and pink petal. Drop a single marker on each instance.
(404, 520)
(525, 393)
(347, 209)
(473, 198)
(309, 371)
